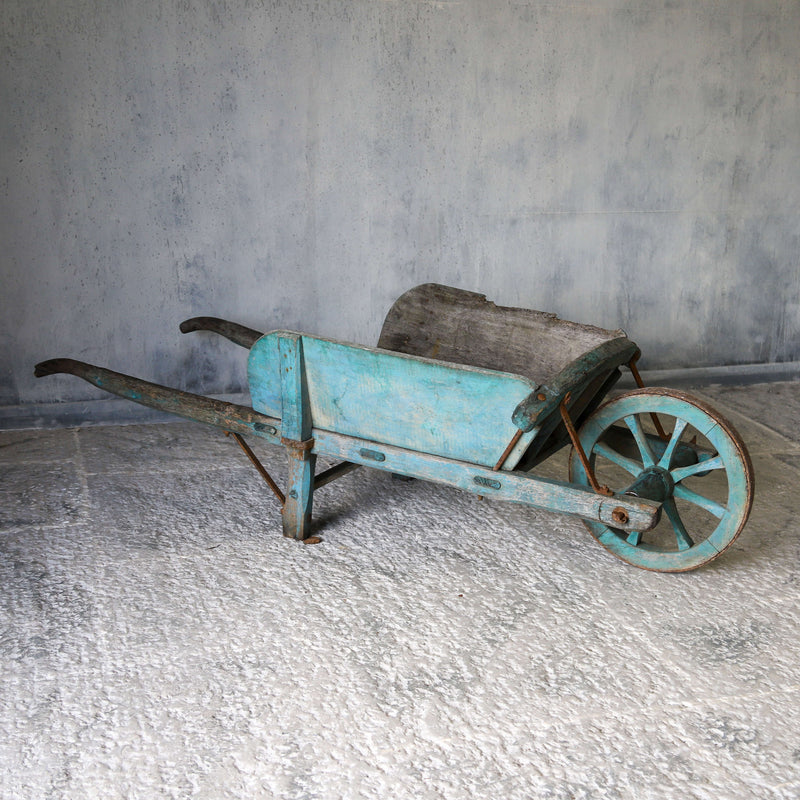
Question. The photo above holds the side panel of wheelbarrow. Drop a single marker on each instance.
(560, 356)
(455, 412)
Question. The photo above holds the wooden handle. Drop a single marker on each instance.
(228, 416)
(238, 334)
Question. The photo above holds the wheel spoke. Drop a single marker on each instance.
(628, 464)
(711, 506)
(635, 538)
(701, 466)
(666, 459)
(681, 534)
(635, 427)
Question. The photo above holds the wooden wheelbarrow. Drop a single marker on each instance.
(466, 393)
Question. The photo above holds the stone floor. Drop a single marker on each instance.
(160, 638)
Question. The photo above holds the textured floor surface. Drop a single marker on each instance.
(160, 638)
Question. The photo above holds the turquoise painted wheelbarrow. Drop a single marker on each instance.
(477, 396)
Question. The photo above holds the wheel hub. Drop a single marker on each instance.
(653, 483)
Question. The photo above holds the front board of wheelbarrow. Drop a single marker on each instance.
(444, 409)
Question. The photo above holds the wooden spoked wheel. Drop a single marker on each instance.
(670, 447)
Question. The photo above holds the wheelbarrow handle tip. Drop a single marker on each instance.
(189, 325)
(238, 334)
(50, 367)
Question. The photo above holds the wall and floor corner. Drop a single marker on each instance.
(628, 163)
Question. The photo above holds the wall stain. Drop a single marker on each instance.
(349, 141)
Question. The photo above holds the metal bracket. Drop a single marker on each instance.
(640, 383)
(576, 443)
(298, 449)
(259, 466)
(511, 445)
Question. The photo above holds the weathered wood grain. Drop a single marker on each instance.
(238, 334)
(296, 425)
(463, 327)
(578, 374)
(515, 487)
(561, 357)
(228, 416)
(449, 410)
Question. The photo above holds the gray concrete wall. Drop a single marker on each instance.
(299, 164)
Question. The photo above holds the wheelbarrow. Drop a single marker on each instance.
(466, 393)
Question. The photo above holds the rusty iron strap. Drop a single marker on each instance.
(259, 466)
(507, 451)
(298, 448)
(576, 443)
(640, 383)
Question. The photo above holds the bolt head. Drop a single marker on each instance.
(619, 515)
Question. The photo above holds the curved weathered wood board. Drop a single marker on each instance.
(464, 327)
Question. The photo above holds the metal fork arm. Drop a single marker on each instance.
(238, 334)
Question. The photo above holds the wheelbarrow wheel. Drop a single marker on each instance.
(671, 447)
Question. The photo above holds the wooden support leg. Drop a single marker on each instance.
(296, 436)
(299, 494)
